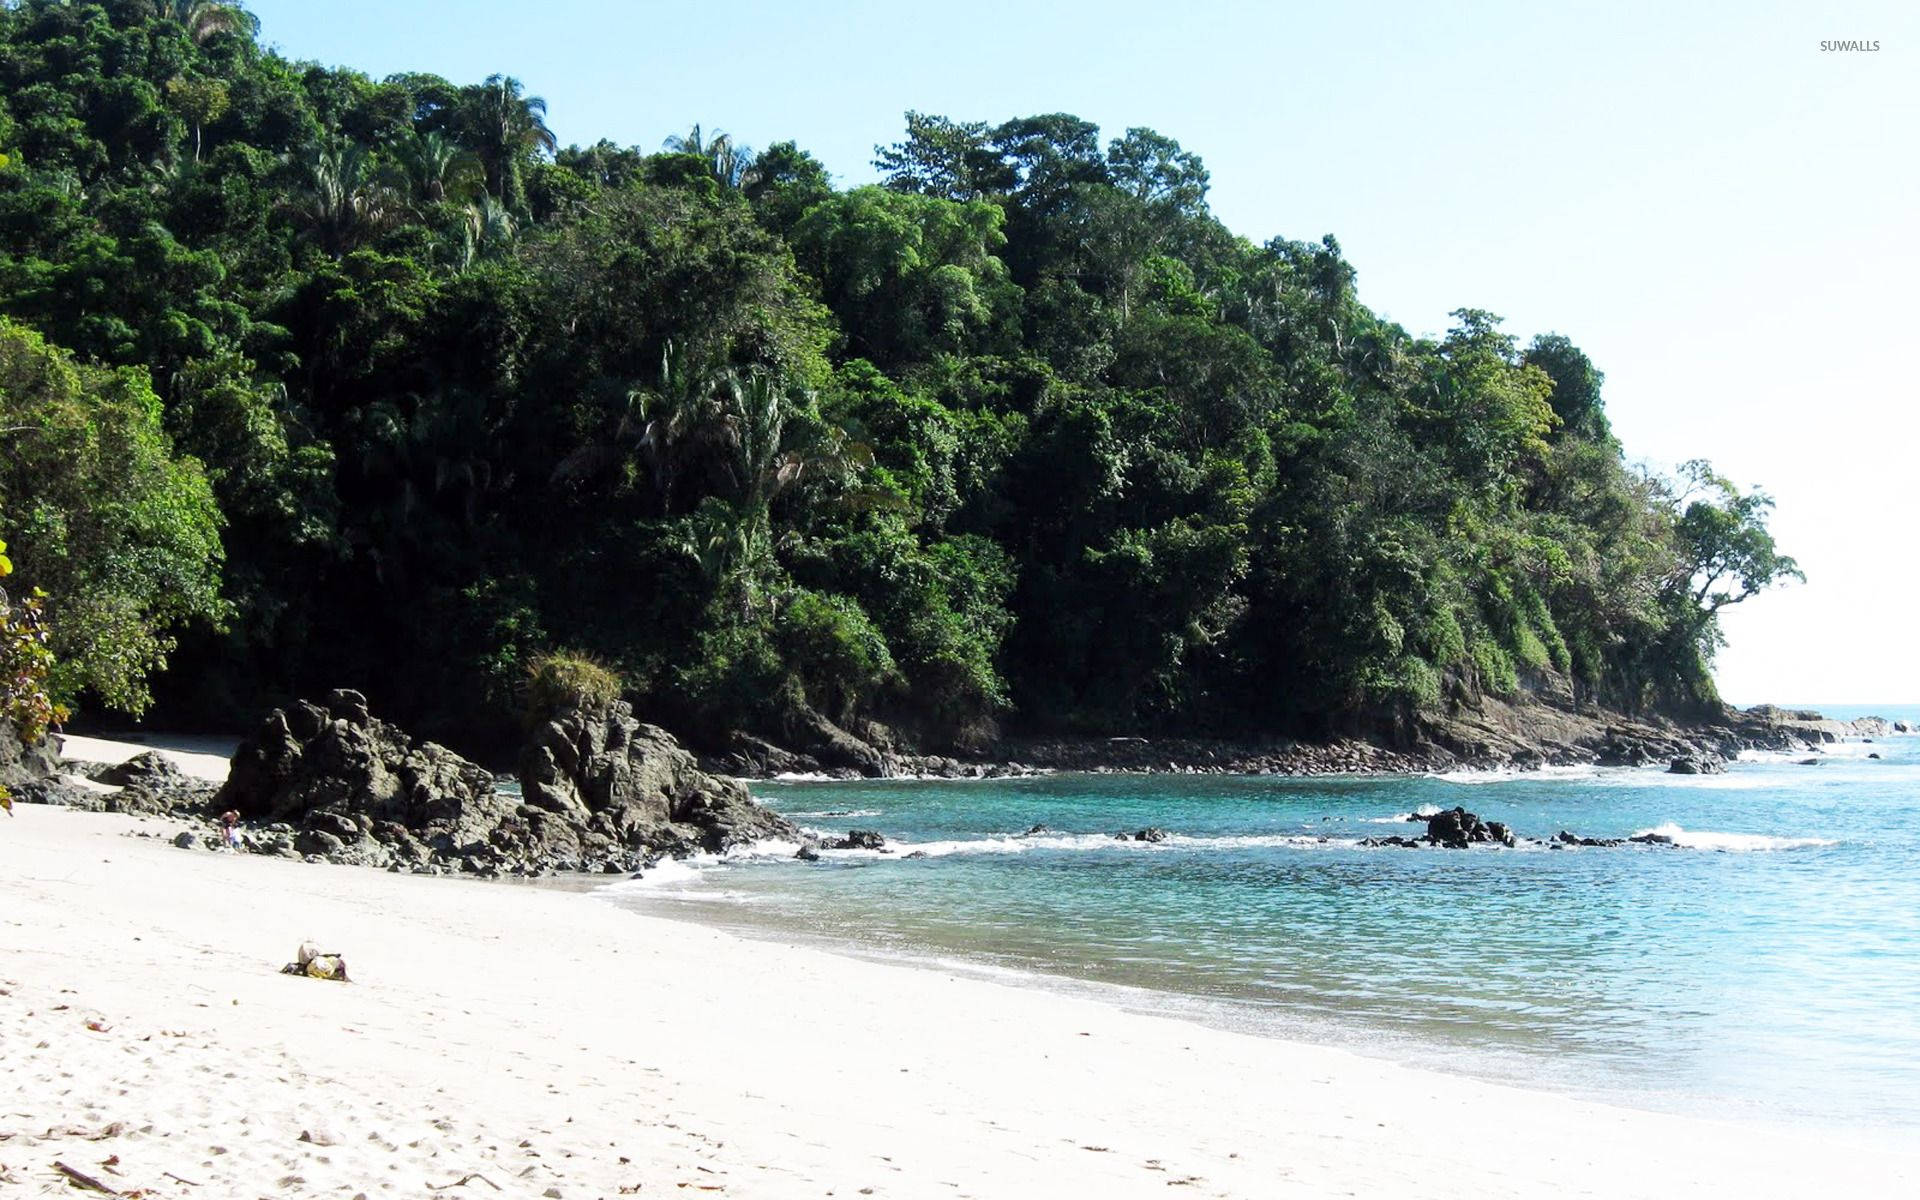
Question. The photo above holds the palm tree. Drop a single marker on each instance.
(202, 19)
(769, 456)
(731, 164)
(487, 230)
(505, 128)
(344, 198)
(436, 169)
(660, 425)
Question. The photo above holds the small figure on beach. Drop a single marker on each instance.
(230, 829)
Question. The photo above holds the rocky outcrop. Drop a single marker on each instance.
(150, 782)
(20, 764)
(1456, 829)
(353, 788)
(857, 839)
(1696, 764)
(597, 779)
(600, 792)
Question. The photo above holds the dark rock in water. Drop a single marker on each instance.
(1456, 829)
(1902, 727)
(599, 790)
(807, 854)
(1696, 764)
(858, 839)
(1563, 838)
(1652, 839)
(1809, 762)
(1498, 831)
(1036, 830)
(1152, 833)
(1875, 754)
(916, 854)
(1405, 843)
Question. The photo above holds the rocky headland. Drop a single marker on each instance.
(596, 790)
(1492, 735)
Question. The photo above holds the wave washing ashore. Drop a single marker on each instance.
(1756, 960)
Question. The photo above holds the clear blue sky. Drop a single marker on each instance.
(1725, 217)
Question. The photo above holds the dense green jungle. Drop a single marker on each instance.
(310, 379)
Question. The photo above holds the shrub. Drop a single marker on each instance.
(562, 679)
(830, 645)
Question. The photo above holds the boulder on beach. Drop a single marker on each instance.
(605, 773)
(21, 764)
(601, 791)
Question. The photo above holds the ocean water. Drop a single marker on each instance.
(1765, 967)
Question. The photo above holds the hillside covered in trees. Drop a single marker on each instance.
(309, 379)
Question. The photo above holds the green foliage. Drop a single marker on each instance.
(562, 679)
(840, 661)
(121, 536)
(26, 663)
(1023, 435)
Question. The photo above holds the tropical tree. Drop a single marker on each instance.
(487, 229)
(732, 165)
(121, 536)
(343, 197)
(26, 661)
(203, 19)
(436, 168)
(506, 128)
(1727, 555)
(769, 454)
(200, 101)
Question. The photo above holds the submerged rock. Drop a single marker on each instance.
(1696, 764)
(1152, 833)
(858, 839)
(1563, 838)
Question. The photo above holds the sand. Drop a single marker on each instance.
(507, 1039)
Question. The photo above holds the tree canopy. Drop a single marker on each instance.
(340, 380)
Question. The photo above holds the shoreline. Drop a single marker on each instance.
(1498, 735)
(1243, 1016)
(488, 1025)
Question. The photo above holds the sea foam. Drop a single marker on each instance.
(1701, 839)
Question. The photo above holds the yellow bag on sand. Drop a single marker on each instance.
(315, 965)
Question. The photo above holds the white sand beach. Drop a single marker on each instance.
(515, 1040)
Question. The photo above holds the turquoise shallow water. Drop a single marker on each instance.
(1767, 968)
